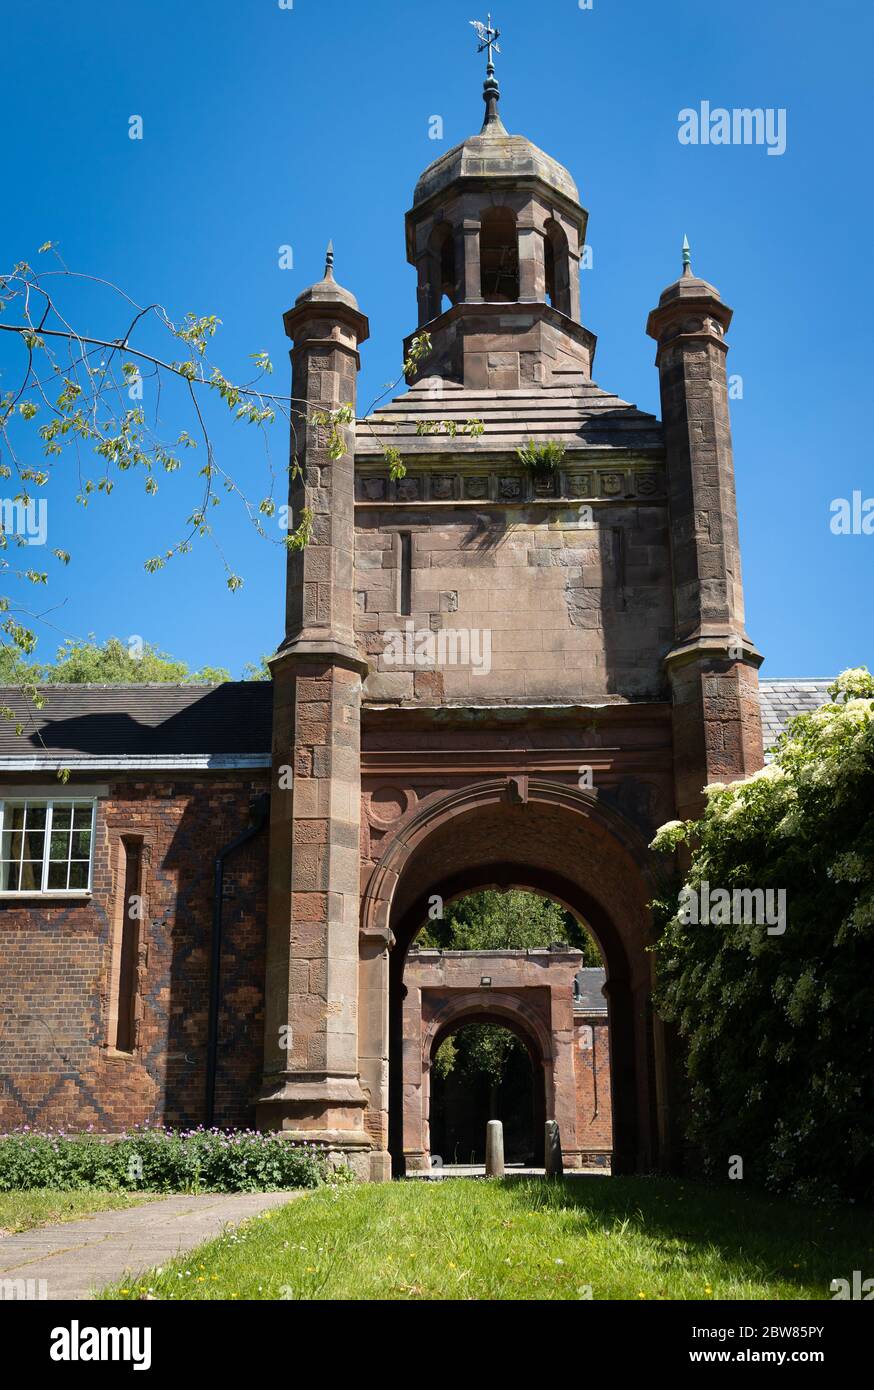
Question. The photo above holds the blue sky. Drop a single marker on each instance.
(266, 127)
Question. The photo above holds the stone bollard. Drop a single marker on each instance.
(554, 1165)
(494, 1149)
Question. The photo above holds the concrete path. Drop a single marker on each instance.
(512, 1170)
(78, 1257)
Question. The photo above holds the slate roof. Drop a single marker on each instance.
(589, 983)
(573, 410)
(782, 699)
(141, 721)
(219, 722)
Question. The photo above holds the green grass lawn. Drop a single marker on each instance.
(627, 1238)
(37, 1206)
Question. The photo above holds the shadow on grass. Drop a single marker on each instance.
(794, 1243)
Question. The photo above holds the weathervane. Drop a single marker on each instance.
(488, 38)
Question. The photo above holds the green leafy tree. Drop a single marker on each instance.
(107, 663)
(258, 671)
(511, 921)
(779, 1028)
(17, 669)
(478, 1049)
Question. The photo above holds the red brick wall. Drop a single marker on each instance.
(55, 1066)
(594, 1114)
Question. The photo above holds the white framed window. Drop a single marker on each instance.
(46, 845)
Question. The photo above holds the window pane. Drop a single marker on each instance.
(57, 875)
(24, 846)
(31, 874)
(34, 844)
(8, 876)
(11, 844)
(79, 874)
(81, 844)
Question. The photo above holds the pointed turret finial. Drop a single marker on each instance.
(687, 257)
(488, 37)
(329, 261)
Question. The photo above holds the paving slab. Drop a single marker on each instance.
(511, 1170)
(77, 1258)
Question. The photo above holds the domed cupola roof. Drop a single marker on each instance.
(327, 290)
(689, 285)
(494, 154)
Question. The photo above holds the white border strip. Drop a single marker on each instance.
(129, 762)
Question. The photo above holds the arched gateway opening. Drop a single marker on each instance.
(536, 835)
(498, 990)
(484, 1068)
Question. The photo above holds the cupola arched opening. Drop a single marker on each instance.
(557, 265)
(499, 256)
(442, 290)
(447, 274)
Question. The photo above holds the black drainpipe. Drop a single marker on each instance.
(260, 811)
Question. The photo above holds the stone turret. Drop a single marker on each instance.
(311, 1087)
(327, 328)
(712, 664)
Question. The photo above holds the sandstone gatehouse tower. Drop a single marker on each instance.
(505, 667)
(514, 646)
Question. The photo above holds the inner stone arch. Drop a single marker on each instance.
(454, 1118)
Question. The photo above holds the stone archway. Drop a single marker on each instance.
(523, 1138)
(531, 833)
(529, 993)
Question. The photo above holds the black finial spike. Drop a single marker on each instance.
(329, 261)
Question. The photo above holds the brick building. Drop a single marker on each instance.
(503, 669)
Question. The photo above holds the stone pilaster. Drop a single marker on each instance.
(574, 257)
(713, 664)
(471, 282)
(311, 1088)
(532, 263)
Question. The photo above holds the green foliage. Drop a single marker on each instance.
(396, 467)
(542, 458)
(480, 1049)
(258, 672)
(112, 663)
(15, 669)
(106, 663)
(472, 429)
(512, 921)
(157, 1160)
(420, 348)
(779, 1029)
(445, 1059)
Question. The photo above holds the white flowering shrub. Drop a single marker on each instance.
(779, 1030)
